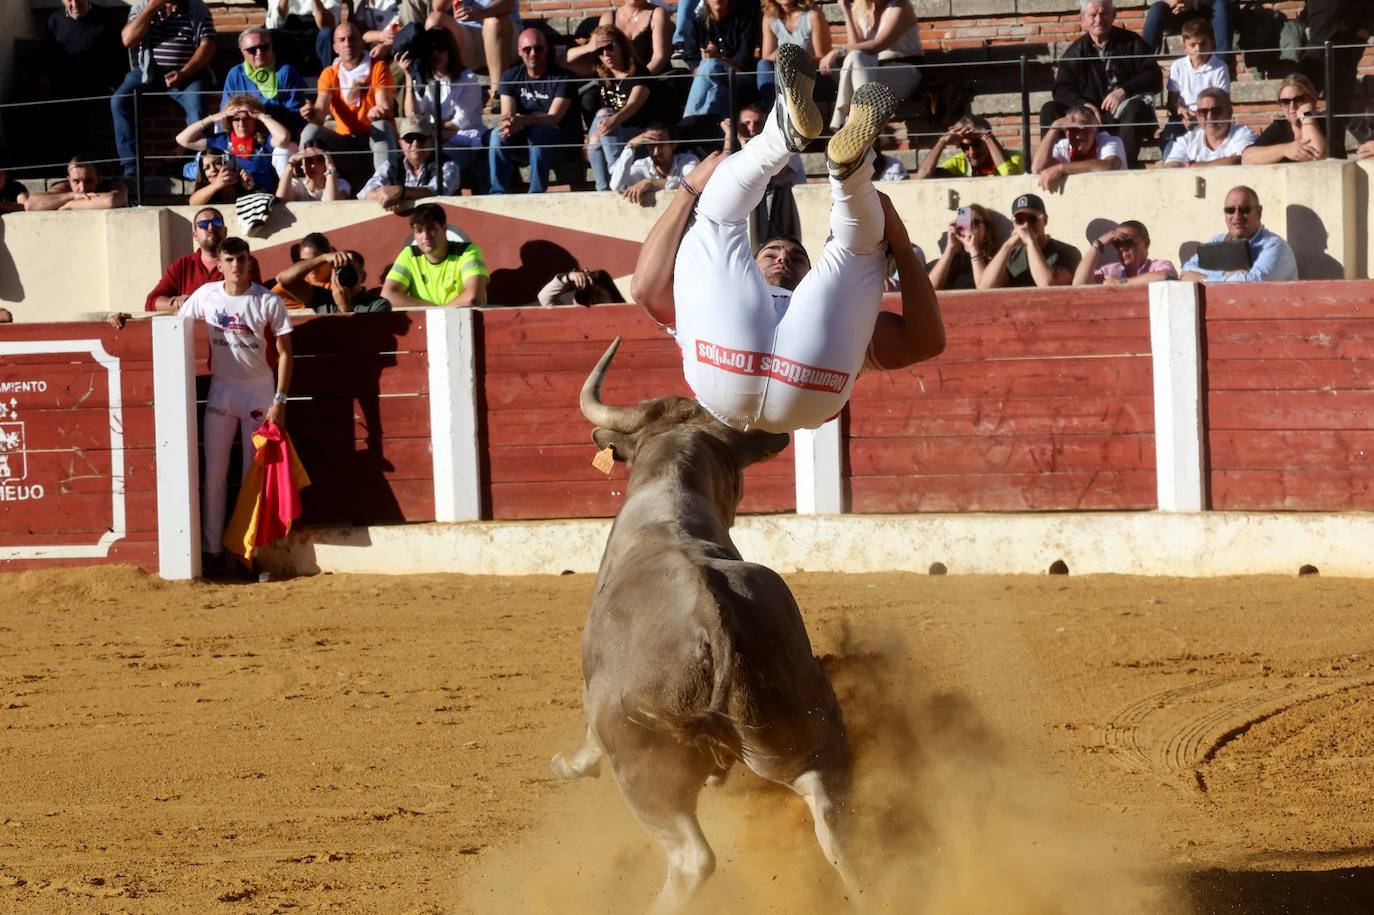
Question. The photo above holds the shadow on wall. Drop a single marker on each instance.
(340, 363)
(11, 286)
(1307, 236)
(539, 261)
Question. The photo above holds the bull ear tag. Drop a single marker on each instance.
(604, 460)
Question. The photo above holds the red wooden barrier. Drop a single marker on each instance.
(1290, 396)
(363, 435)
(536, 444)
(1042, 401)
(78, 480)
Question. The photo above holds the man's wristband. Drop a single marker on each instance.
(278, 398)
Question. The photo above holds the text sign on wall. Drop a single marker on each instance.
(61, 450)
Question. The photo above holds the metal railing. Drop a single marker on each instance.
(1021, 64)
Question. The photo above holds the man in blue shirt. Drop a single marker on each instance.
(280, 89)
(1270, 256)
(540, 124)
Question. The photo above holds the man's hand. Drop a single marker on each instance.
(1113, 100)
(173, 79)
(392, 198)
(118, 319)
(1021, 235)
(462, 12)
(1191, 276)
(696, 181)
(1052, 176)
(1366, 150)
(307, 110)
(376, 113)
(636, 192)
(277, 414)
(1188, 118)
(1179, 7)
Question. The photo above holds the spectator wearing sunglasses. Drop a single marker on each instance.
(1270, 256)
(1297, 136)
(280, 89)
(540, 126)
(976, 153)
(1215, 140)
(1131, 241)
(192, 271)
(1029, 257)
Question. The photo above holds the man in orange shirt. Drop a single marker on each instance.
(358, 97)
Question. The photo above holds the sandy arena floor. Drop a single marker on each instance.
(1034, 746)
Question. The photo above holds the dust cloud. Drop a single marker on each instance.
(951, 813)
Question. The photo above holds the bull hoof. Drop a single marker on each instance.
(564, 770)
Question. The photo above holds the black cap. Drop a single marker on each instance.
(1028, 202)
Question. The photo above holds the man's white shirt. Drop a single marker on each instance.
(1192, 147)
(1107, 145)
(628, 170)
(238, 325)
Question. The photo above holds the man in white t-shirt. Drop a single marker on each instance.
(1075, 144)
(1215, 141)
(243, 391)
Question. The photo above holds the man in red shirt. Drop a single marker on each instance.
(192, 271)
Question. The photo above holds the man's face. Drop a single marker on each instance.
(76, 8)
(661, 149)
(235, 267)
(415, 148)
(783, 263)
(534, 52)
(750, 123)
(348, 42)
(1097, 19)
(1033, 219)
(256, 48)
(1242, 212)
(1215, 117)
(83, 179)
(428, 236)
(208, 231)
(1083, 135)
(1131, 249)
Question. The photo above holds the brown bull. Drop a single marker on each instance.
(693, 658)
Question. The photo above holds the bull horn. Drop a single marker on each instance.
(617, 419)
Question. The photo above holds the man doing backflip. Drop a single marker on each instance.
(781, 352)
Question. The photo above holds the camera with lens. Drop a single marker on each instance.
(347, 276)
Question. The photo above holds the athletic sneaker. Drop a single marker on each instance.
(797, 114)
(869, 111)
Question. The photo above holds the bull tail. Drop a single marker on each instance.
(711, 733)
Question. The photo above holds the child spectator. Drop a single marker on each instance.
(1132, 243)
(1188, 76)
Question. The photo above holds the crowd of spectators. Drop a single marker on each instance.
(397, 77)
(382, 61)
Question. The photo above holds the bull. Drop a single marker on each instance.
(693, 658)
